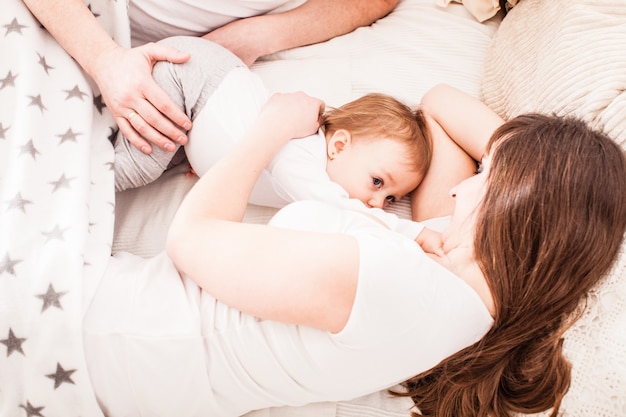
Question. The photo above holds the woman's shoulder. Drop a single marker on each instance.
(406, 300)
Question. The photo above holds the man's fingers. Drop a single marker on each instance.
(157, 128)
(160, 52)
(149, 133)
(164, 115)
(129, 132)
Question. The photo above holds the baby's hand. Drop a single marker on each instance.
(430, 241)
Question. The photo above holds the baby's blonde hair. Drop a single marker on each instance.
(380, 115)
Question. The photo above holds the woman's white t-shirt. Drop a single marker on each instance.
(157, 345)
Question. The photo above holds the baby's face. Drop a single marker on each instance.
(377, 172)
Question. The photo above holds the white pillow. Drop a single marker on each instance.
(561, 56)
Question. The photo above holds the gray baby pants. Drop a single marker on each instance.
(189, 85)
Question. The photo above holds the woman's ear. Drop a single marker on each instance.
(337, 142)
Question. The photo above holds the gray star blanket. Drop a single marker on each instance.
(56, 213)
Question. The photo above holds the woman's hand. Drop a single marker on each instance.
(142, 110)
(294, 115)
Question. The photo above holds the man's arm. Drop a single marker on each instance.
(124, 76)
(74, 27)
(312, 22)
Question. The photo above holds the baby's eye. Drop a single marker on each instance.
(377, 182)
(390, 199)
(479, 168)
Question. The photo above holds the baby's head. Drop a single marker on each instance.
(378, 148)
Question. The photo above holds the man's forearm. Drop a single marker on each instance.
(74, 27)
(320, 20)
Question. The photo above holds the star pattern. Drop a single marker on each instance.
(55, 234)
(51, 298)
(62, 182)
(13, 343)
(8, 81)
(49, 220)
(69, 135)
(112, 135)
(18, 203)
(61, 376)
(44, 64)
(7, 266)
(29, 148)
(3, 130)
(32, 411)
(14, 26)
(98, 102)
(37, 101)
(75, 92)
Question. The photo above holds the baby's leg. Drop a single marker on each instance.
(189, 85)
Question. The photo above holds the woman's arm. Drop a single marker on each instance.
(312, 22)
(460, 127)
(299, 277)
(124, 76)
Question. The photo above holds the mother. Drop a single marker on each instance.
(324, 304)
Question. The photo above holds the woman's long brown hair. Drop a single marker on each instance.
(548, 230)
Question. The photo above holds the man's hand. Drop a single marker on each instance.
(142, 110)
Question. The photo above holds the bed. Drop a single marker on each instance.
(60, 218)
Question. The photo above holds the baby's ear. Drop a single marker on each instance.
(337, 142)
